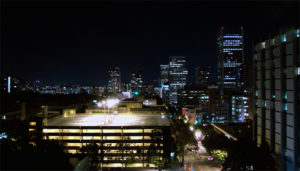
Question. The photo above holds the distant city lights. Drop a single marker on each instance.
(3, 136)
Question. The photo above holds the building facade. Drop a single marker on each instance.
(203, 76)
(11, 84)
(114, 80)
(177, 76)
(122, 140)
(230, 45)
(136, 83)
(240, 108)
(276, 69)
(164, 74)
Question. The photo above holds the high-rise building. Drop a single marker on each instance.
(190, 95)
(276, 69)
(230, 57)
(177, 76)
(164, 82)
(245, 78)
(136, 82)
(114, 80)
(164, 74)
(202, 76)
(11, 84)
(239, 108)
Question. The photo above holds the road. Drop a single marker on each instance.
(199, 162)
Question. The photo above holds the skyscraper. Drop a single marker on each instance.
(230, 57)
(114, 80)
(136, 82)
(202, 76)
(164, 74)
(164, 82)
(276, 69)
(177, 76)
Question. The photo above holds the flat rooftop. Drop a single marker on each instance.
(109, 120)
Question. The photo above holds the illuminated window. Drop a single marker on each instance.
(285, 107)
(32, 123)
(111, 137)
(50, 130)
(285, 95)
(263, 45)
(74, 144)
(147, 144)
(31, 129)
(283, 38)
(111, 130)
(71, 131)
(273, 41)
(136, 137)
(112, 165)
(91, 138)
(112, 151)
(91, 130)
(54, 137)
(132, 130)
(71, 137)
(135, 165)
(110, 144)
(147, 137)
(72, 151)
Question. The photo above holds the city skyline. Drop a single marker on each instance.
(78, 47)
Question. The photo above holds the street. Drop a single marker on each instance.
(198, 160)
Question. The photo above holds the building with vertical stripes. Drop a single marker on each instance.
(276, 74)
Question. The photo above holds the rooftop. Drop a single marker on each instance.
(109, 120)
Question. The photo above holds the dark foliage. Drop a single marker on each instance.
(216, 141)
(48, 155)
(244, 154)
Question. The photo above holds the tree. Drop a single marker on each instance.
(91, 150)
(16, 156)
(215, 141)
(244, 154)
(183, 136)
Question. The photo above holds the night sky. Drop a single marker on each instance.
(76, 42)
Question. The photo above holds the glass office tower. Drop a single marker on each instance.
(136, 82)
(230, 57)
(177, 76)
(114, 80)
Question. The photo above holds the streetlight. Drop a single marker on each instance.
(192, 128)
(198, 134)
(99, 104)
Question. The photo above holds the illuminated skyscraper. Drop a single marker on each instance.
(114, 80)
(164, 74)
(177, 76)
(230, 57)
(136, 82)
(202, 76)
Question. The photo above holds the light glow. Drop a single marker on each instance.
(191, 128)
(8, 84)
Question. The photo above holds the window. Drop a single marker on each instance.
(32, 123)
(283, 38)
(263, 45)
